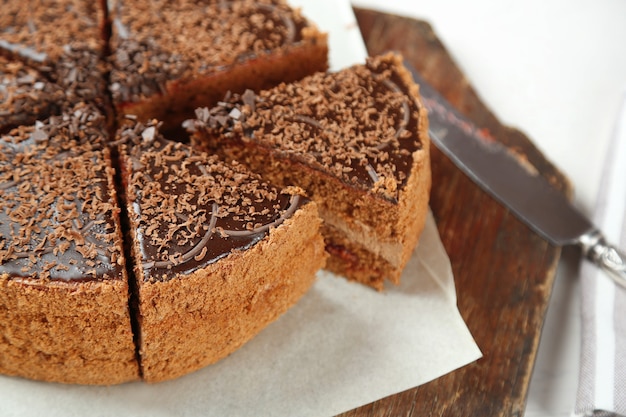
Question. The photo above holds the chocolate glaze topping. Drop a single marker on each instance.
(191, 208)
(203, 37)
(38, 41)
(26, 95)
(57, 218)
(359, 125)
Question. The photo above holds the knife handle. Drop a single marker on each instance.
(606, 256)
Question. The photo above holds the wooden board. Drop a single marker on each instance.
(503, 271)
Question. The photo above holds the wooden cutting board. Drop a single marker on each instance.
(504, 272)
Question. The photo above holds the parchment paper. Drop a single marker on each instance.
(343, 345)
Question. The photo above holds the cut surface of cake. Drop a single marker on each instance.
(168, 58)
(218, 254)
(64, 312)
(355, 140)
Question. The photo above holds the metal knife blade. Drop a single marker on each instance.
(503, 175)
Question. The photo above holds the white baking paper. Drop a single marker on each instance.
(343, 345)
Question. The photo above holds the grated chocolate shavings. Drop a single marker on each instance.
(201, 37)
(191, 208)
(25, 95)
(52, 69)
(39, 30)
(56, 216)
(359, 124)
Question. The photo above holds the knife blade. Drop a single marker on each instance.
(514, 183)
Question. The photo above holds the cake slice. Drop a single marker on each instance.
(63, 41)
(64, 312)
(26, 95)
(356, 141)
(168, 58)
(218, 254)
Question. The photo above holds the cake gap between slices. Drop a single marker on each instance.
(217, 253)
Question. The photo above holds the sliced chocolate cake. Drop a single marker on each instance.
(355, 140)
(163, 258)
(64, 312)
(218, 254)
(59, 40)
(168, 58)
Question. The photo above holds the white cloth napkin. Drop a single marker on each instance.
(602, 383)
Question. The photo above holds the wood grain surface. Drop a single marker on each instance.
(503, 271)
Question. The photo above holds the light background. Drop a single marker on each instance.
(556, 70)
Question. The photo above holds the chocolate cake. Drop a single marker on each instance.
(168, 58)
(355, 140)
(204, 277)
(64, 312)
(26, 95)
(136, 257)
(46, 31)
(217, 253)
(57, 46)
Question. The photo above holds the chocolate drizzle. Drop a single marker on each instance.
(406, 111)
(197, 252)
(293, 205)
(190, 209)
(24, 51)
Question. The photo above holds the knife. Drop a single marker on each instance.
(516, 185)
